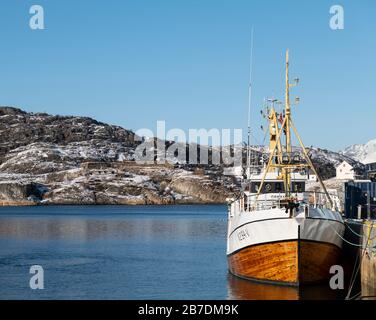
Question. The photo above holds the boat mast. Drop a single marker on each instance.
(287, 128)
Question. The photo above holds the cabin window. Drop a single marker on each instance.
(298, 187)
(255, 187)
(278, 187)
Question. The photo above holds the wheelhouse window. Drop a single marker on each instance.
(255, 187)
(268, 187)
(298, 186)
(278, 187)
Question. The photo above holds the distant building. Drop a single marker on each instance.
(371, 171)
(312, 177)
(92, 167)
(360, 193)
(237, 172)
(346, 171)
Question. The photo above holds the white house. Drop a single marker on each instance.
(346, 171)
(312, 177)
(233, 171)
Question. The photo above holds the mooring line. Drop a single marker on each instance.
(359, 235)
(359, 264)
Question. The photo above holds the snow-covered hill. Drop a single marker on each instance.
(326, 162)
(49, 159)
(78, 160)
(364, 153)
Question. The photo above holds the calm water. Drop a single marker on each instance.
(120, 252)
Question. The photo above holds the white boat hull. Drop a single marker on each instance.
(268, 245)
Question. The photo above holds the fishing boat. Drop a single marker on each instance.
(277, 231)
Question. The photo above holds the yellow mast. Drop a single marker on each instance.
(287, 107)
(275, 145)
(273, 131)
(286, 171)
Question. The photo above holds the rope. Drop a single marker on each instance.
(359, 264)
(353, 271)
(359, 235)
(353, 276)
(343, 239)
(265, 136)
(256, 139)
(357, 296)
(348, 242)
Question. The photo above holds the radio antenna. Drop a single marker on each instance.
(248, 173)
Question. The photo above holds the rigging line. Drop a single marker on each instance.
(270, 161)
(265, 136)
(355, 264)
(354, 278)
(256, 139)
(353, 282)
(343, 239)
(359, 235)
(360, 262)
(356, 296)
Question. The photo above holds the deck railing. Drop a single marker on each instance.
(263, 201)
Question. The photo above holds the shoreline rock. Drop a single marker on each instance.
(68, 160)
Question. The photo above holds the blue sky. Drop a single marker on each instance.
(132, 63)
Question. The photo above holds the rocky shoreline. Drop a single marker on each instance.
(115, 183)
(66, 160)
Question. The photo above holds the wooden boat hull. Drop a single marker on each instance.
(293, 263)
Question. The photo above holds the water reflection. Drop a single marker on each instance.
(239, 289)
(127, 253)
(89, 229)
